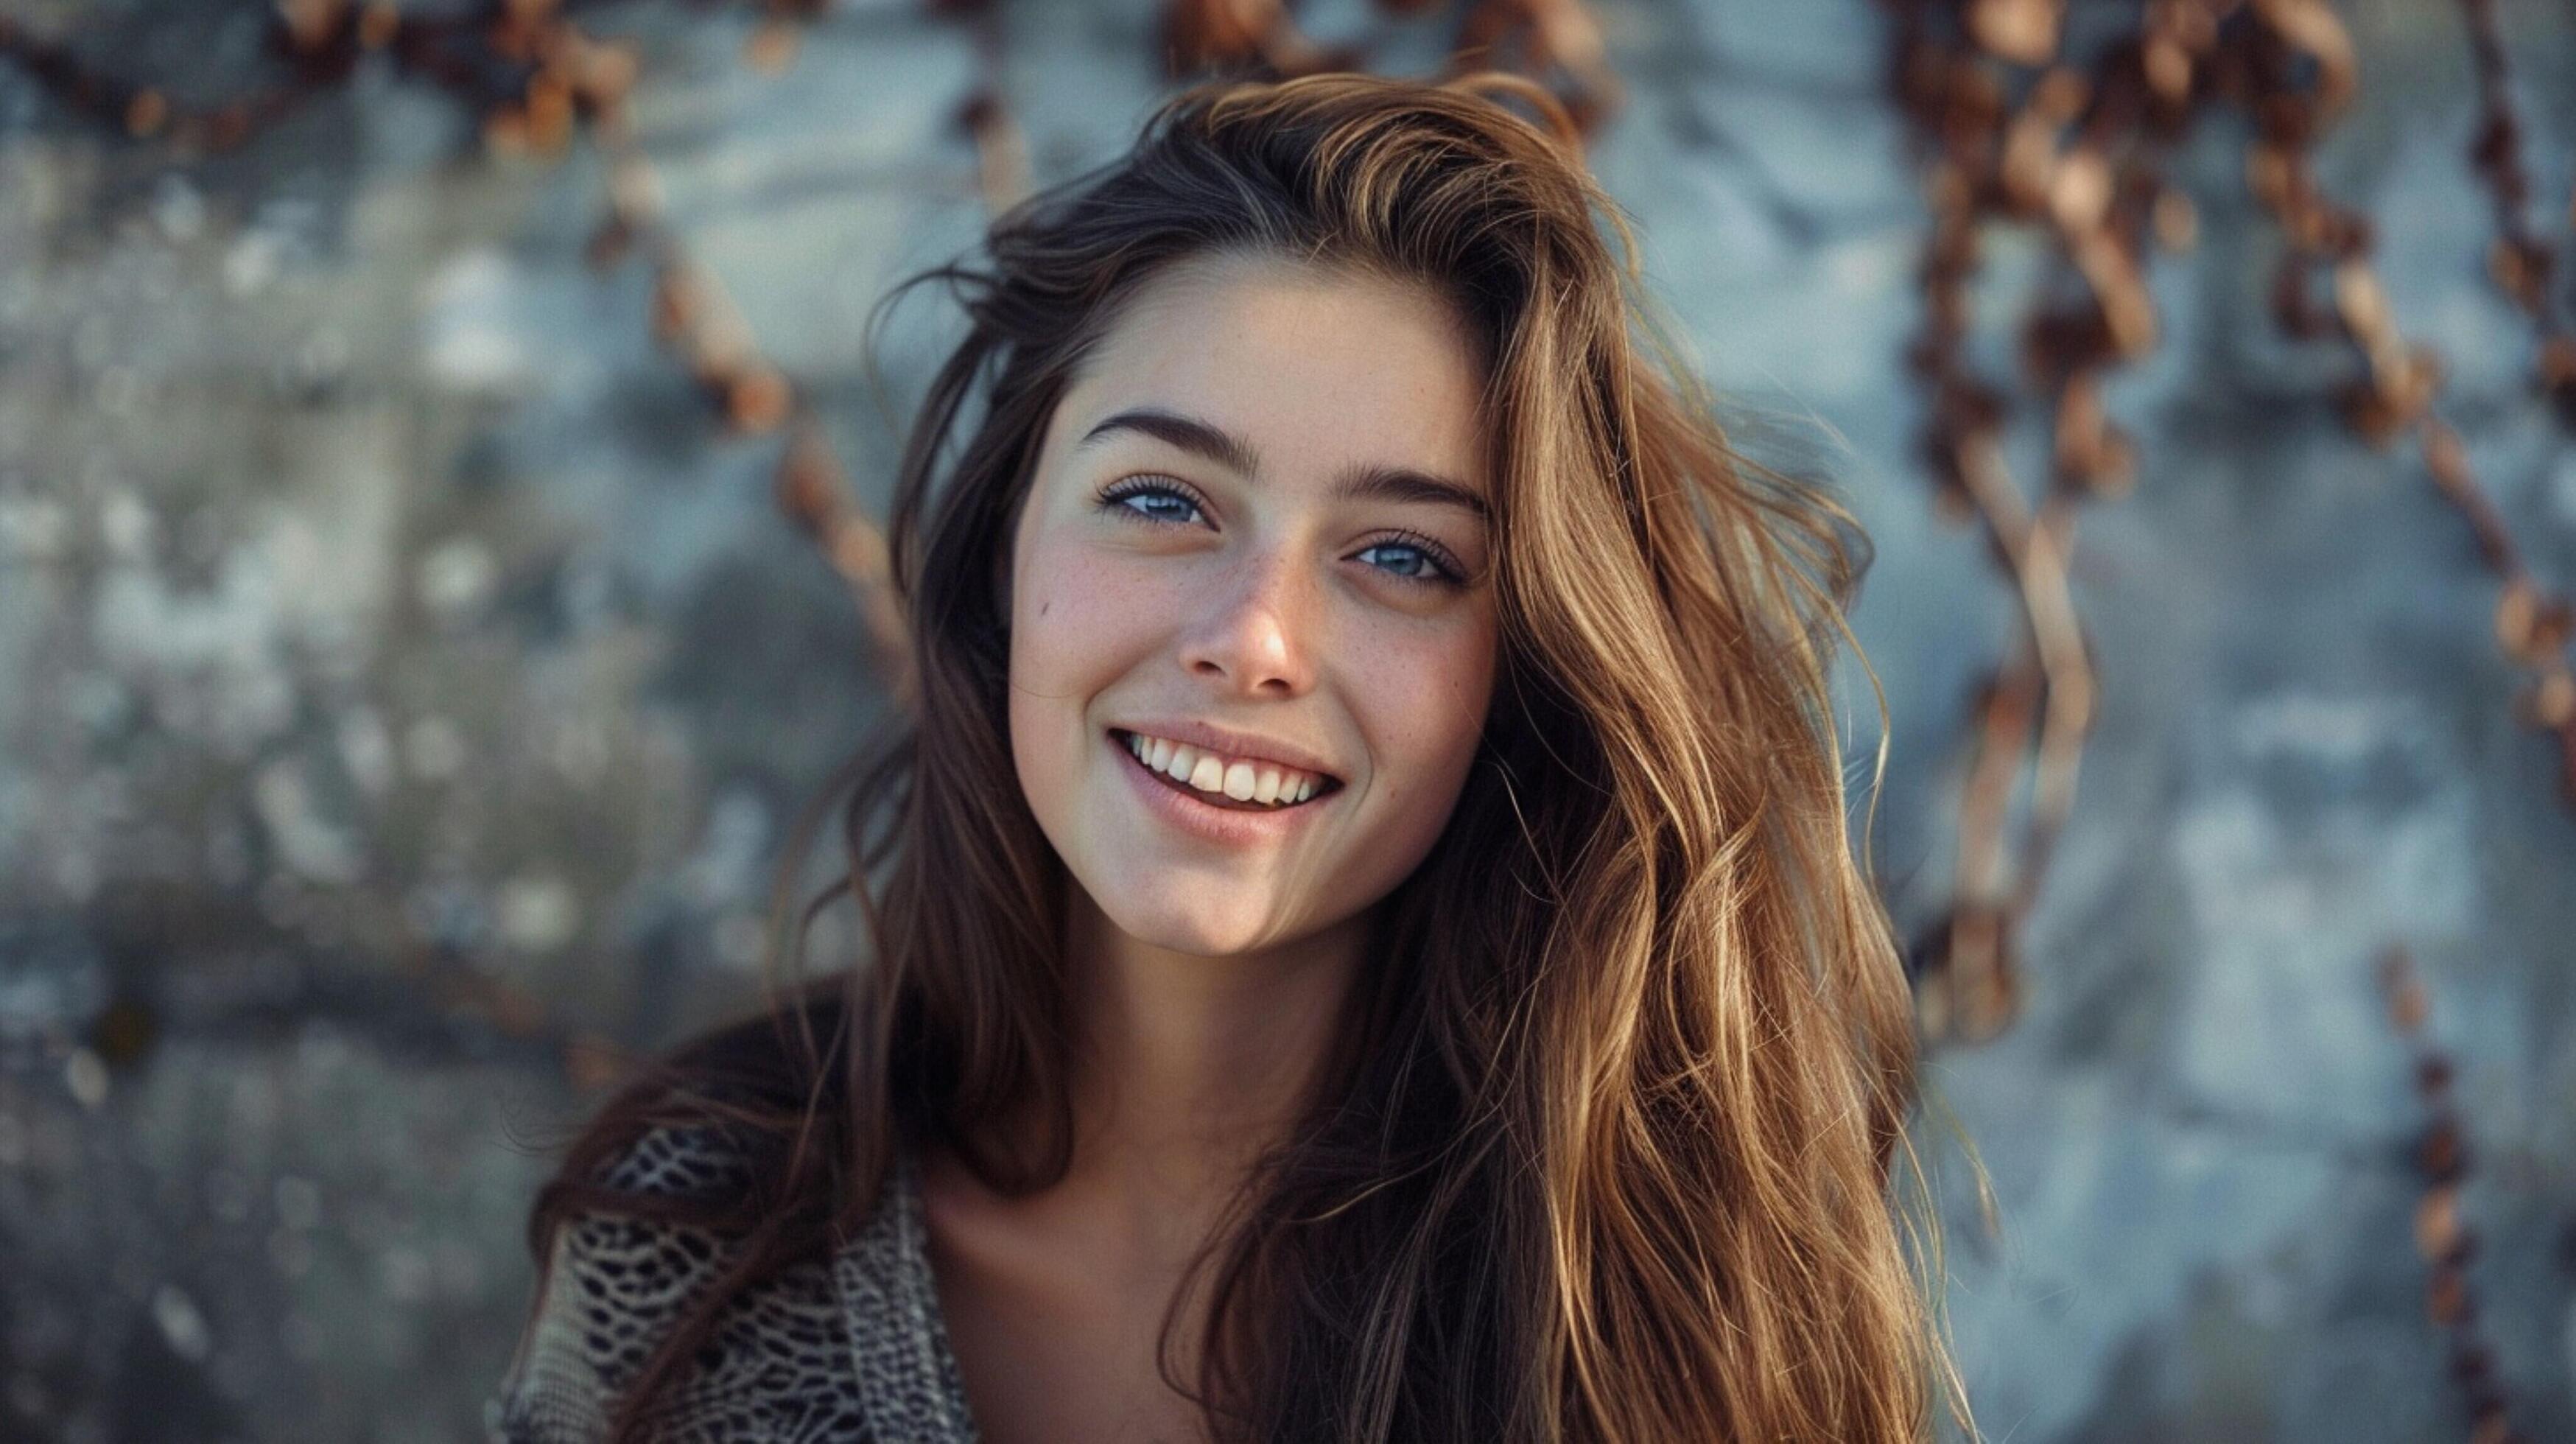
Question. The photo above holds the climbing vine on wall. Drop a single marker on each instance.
(2013, 132)
(2014, 128)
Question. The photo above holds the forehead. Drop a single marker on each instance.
(1318, 367)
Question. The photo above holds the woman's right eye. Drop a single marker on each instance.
(1152, 501)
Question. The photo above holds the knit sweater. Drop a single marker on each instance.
(844, 1350)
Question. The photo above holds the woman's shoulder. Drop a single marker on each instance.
(615, 1285)
(652, 1235)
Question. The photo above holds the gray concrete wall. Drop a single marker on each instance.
(408, 685)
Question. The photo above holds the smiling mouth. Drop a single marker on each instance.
(1235, 784)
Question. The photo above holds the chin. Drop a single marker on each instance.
(1208, 932)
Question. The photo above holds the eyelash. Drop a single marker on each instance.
(1117, 494)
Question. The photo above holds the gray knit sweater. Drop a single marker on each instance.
(845, 1349)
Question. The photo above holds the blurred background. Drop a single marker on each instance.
(437, 448)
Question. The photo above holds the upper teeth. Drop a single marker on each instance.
(1242, 780)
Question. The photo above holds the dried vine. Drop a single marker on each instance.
(1556, 42)
(2447, 1244)
(2522, 262)
(2013, 134)
(2293, 74)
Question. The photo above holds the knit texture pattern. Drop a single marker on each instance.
(845, 1350)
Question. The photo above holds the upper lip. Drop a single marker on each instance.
(1241, 746)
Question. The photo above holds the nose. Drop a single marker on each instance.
(1254, 637)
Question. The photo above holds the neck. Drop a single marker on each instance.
(1187, 1068)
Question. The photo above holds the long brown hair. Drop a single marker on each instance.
(1605, 1146)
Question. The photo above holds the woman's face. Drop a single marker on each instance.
(1254, 549)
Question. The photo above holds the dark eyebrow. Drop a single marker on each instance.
(1189, 434)
(1380, 483)
(1398, 483)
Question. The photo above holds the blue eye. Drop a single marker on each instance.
(1153, 501)
(1409, 561)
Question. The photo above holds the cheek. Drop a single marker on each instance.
(1425, 703)
(1076, 627)
(1078, 619)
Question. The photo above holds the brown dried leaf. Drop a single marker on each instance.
(772, 47)
(2551, 702)
(2446, 1296)
(2167, 67)
(146, 113)
(2360, 301)
(757, 400)
(2407, 1005)
(2437, 1222)
(2517, 617)
(549, 113)
(378, 24)
(677, 302)
(2021, 31)
(2079, 189)
(311, 24)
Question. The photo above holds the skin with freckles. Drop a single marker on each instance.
(1255, 598)
(1259, 508)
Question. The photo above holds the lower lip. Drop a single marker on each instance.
(1231, 826)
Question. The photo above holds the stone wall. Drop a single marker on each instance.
(410, 683)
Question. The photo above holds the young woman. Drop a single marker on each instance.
(1365, 943)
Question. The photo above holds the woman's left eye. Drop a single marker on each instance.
(1404, 559)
